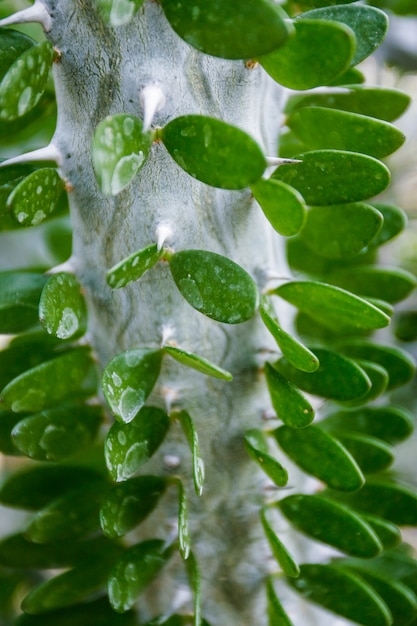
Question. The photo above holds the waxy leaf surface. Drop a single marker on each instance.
(282, 205)
(19, 299)
(389, 423)
(187, 425)
(197, 362)
(118, 12)
(280, 552)
(288, 402)
(257, 448)
(12, 44)
(62, 308)
(133, 266)
(36, 197)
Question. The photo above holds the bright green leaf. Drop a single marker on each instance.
(184, 539)
(62, 308)
(192, 438)
(288, 402)
(257, 448)
(379, 381)
(133, 266)
(389, 534)
(118, 12)
(19, 298)
(392, 284)
(197, 362)
(280, 552)
(283, 206)
(352, 77)
(371, 454)
(36, 197)
(395, 221)
(276, 613)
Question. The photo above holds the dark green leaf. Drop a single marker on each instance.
(129, 379)
(215, 285)
(288, 402)
(133, 266)
(395, 221)
(214, 152)
(334, 176)
(379, 382)
(195, 584)
(282, 205)
(406, 325)
(97, 612)
(325, 48)
(280, 552)
(36, 197)
(396, 564)
(371, 454)
(25, 352)
(8, 421)
(387, 283)
(389, 534)
(184, 539)
(117, 13)
(391, 424)
(129, 446)
(192, 438)
(19, 298)
(322, 456)
(12, 45)
(197, 362)
(229, 30)
(257, 448)
(62, 308)
(276, 613)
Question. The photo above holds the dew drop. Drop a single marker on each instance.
(24, 103)
(68, 324)
(125, 170)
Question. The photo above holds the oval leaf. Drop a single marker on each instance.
(197, 362)
(19, 299)
(395, 221)
(12, 44)
(192, 438)
(36, 197)
(282, 205)
(280, 552)
(392, 284)
(118, 12)
(184, 540)
(371, 454)
(214, 152)
(62, 308)
(288, 402)
(133, 266)
(214, 285)
(257, 448)
(389, 534)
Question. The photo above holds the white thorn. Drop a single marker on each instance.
(163, 232)
(152, 99)
(170, 396)
(48, 153)
(36, 13)
(168, 334)
(172, 462)
(277, 161)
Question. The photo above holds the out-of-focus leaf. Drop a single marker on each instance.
(280, 552)
(19, 298)
(192, 438)
(197, 362)
(118, 12)
(257, 448)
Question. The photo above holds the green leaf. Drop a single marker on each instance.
(184, 539)
(342, 593)
(395, 221)
(12, 44)
(257, 448)
(369, 25)
(280, 552)
(197, 362)
(129, 446)
(127, 504)
(352, 77)
(229, 30)
(334, 176)
(392, 284)
(8, 421)
(194, 578)
(24, 83)
(25, 352)
(19, 298)
(118, 12)
(332, 306)
(214, 152)
(322, 456)
(379, 381)
(276, 613)
(97, 612)
(341, 231)
(36, 197)
(187, 425)
(282, 205)
(128, 379)
(133, 266)
(396, 564)
(338, 378)
(62, 308)
(56, 434)
(47, 384)
(371, 454)
(134, 571)
(331, 523)
(119, 150)
(288, 402)
(389, 534)
(325, 48)
(406, 325)
(214, 285)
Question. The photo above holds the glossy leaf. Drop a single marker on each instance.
(62, 308)
(334, 176)
(128, 379)
(129, 503)
(19, 298)
(197, 362)
(322, 456)
(276, 613)
(332, 306)
(282, 205)
(24, 83)
(194, 578)
(288, 402)
(187, 425)
(118, 12)
(214, 152)
(133, 266)
(12, 44)
(36, 197)
(295, 352)
(56, 434)
(392, 284)
(334, 589)
(25, 352)
(229, 30)
(120, 148)
(371, 454)
(395, 221)
(257, 448)
(331, 523)
(325, 48)
(134, 571)
(215, 285)
(97, 611)
(341, 231)
(184, 540)
(389, 534)
(129, 446)
(47, 384)
(351, 77)
(280, 552)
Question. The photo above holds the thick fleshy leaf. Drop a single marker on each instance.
(332, 306)
(214, 285)
(282, 205)
(333, 589)
(288, 402)
(194, 578)
(129, 379)
(338, 378)
(369, 25)
(379, 382)
(129, 446)
(134, 571)
(118, 12)
(197, 362)
(397, 564)
(392, 284)
(56, 434)
(184, 539)
(371, 454)
(133, 266)
(36, 197)
(19, 299)
(280, 552)
(395, 221)
(120, 148)
(25, 352)
(276, 614)
(389, 534)
(24, 83)
(352, 77)
(335, 176)
(322, 456)
(331, 523)
(341, 231)
(49, 383)
(85, 614)
(187, 425)
(12, 44)
(325, 48)
(126, 505)
(229, 30)
(257, 447)
(8, 421)
(62, 308)
(294, 351)
(214, 152)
